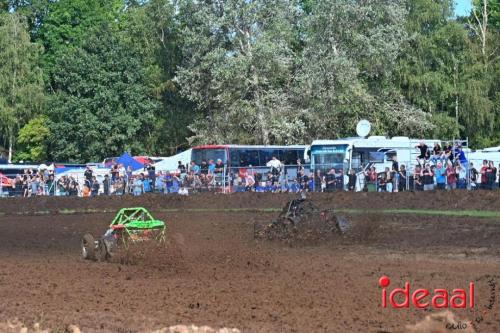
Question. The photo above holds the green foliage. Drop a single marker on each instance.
(68, 23)
(103, 104)
(237, 68)
(157, 75)
(21, 85)
(32, 140)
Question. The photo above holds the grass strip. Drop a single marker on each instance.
(400, 211)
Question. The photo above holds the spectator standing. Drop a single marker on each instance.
(461, 176)
(371, 179)
(388, 180)
(418, 179)
(151, 169)
(88, 174)
(484, 176)
(451, 176)
(51, 186)
(491, 175)
(440, 173)
(95, 187)
(114, 173)
(181, 167)
(473, 177)
(395, 174)
(427, 178)
(331, 180)
(106, 185)
(138, 186)
(318, 179)
(402, 178)
(35, 183)
(146, 184)
(351, 185)
(448, 152)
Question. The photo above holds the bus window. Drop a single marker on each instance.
(248, 157)
(234, 155)
(199, 155)
(267, 154)
(377, 157)
(289, 157)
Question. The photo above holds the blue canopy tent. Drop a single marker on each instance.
(128, 160)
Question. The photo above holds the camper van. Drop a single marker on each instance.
(359, 153)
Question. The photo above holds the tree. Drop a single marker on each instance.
(237, 69)
(442, 69)
(21, 84)
(347, 69)
(152, 30)
(32, 140)
(67, 24)
(103, 103)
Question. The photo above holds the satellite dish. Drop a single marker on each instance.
(363, 128)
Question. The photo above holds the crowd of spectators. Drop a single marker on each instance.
(435, 168)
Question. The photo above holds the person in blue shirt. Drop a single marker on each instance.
(440, 173)
(194, 168)
(211, 167)
(138, 186)
(460, 156)
(147, 185)
(160, 184)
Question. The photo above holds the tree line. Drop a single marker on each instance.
(84, 79)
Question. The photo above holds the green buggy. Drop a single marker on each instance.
(129, 225)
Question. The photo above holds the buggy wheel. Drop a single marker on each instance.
(88, 247)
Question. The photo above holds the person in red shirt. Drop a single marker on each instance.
(451, 176)
(484, 176)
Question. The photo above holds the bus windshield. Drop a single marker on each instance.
(199, 155)
(327, 157)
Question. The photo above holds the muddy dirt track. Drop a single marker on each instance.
(213, 272)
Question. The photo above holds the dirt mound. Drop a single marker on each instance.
(442, 322)
(196, 329)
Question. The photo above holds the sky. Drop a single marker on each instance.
(462, 7)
